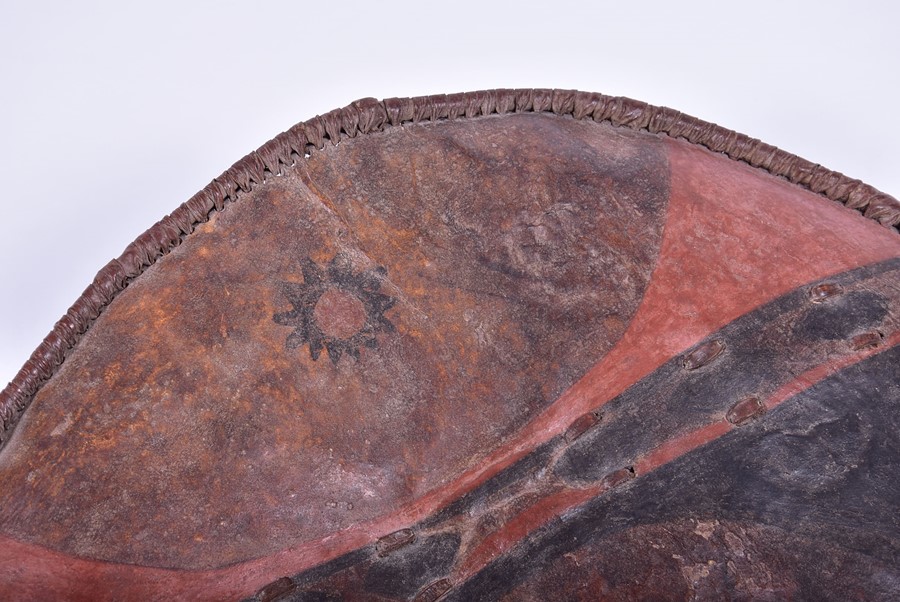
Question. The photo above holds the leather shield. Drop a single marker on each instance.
(506, 345)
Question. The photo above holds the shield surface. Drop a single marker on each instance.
(505, 345)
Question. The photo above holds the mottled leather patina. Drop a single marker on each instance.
(489, 346)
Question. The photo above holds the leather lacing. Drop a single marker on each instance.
(370, 115)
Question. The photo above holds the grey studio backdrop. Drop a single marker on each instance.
(115, 113)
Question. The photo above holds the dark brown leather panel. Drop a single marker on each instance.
(368, 115)
(394, 306)
(345, 339)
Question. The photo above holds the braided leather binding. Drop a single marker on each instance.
(370, 115)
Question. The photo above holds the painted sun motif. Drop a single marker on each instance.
(336, 309)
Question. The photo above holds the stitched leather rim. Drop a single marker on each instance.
(370, 115)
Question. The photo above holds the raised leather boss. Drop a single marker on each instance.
(507, 345)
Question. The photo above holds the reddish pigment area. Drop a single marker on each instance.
(44, 572)
(223, 408)
(733, 239)
(339, 314)
(557, 504)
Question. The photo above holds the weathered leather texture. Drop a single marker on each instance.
(499, 345)
(369, 115)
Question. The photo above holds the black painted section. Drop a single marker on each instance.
(364, 286)
(786, 469)
(764, 350)
(341, 563)
(406, 571)
(321, 573)
(821, 468)
(842, 316)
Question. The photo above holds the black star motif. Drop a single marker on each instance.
(337, 277)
